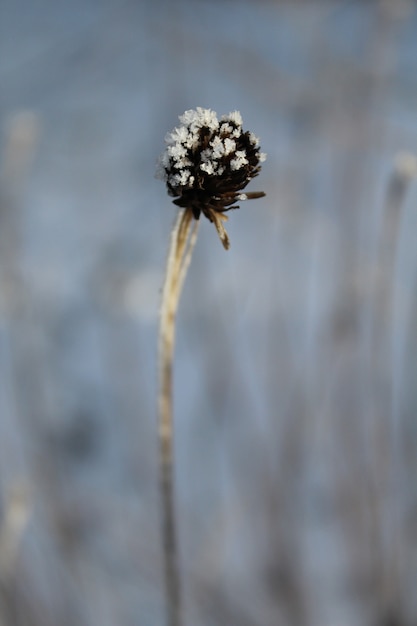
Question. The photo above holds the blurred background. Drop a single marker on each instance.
(296, 356)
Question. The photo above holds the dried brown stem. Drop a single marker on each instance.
(183, 238)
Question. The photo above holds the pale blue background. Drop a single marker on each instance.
(295, 379)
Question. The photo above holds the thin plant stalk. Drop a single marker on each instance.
(206, 165)
(183, 239)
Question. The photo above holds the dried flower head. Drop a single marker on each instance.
(208, 162)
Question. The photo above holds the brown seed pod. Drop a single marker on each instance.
(208, 162)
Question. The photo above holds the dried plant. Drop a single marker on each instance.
(208, 162)
(206, 165)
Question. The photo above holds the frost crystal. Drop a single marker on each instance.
(239, 161)
(229, 145)
(207, 162)
(235, 117)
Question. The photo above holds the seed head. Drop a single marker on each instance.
(208, 162)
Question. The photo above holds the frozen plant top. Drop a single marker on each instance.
(207, 162)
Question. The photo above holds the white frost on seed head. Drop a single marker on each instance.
(226, 129)
(186, 136)
(181, 179)
(182, 163)
(217, 147)
(239, 161)
(178, 135)
(188, 117)
(262, 157)
(195, 119)
(176, 151)
(206, 155)
(207, 118)
(234, 116)
(184, 155)
(208, 167)
(242, 196)
(229, 145)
